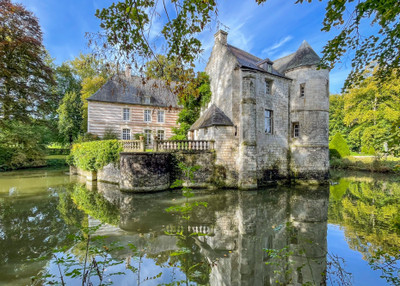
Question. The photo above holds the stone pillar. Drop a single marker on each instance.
(247, 166)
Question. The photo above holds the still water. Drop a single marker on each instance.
(347, 233)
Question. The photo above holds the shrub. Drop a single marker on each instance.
(92, 156)
(340, 146)
(110, 134)
(87, 137)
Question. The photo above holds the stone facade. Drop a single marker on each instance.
(277, 115)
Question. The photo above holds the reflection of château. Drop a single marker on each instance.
(235, 229)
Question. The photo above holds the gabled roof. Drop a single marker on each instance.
(135, 90)
(249, 61)
(304, 56)
(212, 117)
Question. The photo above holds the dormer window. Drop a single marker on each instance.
(269, 67)
(147, 100)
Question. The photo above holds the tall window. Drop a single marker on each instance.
(148, 134)
(267, 87)
(126, 134)
(295, 129)
(147, 115)
(125, 113)
(302, 89)
(160, 135)
(160, 116)
(269, 121)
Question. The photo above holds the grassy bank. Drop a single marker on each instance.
(367, 163)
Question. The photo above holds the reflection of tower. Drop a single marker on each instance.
(307, 233)
(294, 223)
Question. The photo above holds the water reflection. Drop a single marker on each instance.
(223, 243)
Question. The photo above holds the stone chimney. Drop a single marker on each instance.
(128, 71)
(222, 37)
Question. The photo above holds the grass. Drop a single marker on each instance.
(389, 164)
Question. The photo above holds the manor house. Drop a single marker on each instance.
(269, 119)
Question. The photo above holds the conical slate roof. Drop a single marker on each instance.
(304, 56)
(212, 117)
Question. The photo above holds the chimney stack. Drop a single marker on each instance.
(128, 71)
(222, 37)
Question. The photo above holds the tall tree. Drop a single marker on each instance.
(372, 108)
(24, 75)
(70, 117)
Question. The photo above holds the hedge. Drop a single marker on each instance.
(92, 156)
(338, 147)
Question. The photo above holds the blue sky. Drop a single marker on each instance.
(272, 30)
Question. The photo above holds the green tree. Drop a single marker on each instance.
(70, 117)
(166, 69)
(338, 146)
(336, 116)
(24, 76)
(371, 109)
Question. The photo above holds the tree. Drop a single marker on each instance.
(336, 116)
(338, 146)
(166, 69)
(70, 117)
(127, 26)
(371, 109)
(24, 76)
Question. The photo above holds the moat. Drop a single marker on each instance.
(345, 233)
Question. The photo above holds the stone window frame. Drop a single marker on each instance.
(126, 113)
(268, 86)
(163, 116)
(295, 129)
(126, 135)
(302, 89)
(270, 118)
(147, 115)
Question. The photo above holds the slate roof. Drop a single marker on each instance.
(304, 56)
(134, 90)
(249, 61)
(212, 117)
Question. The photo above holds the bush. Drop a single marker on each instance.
(340, 146)
(110, 134)
(87, 137)
(92, 156)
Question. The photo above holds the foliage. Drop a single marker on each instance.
(109, 134)
(70, 117)
(196, 95)
(338, 146)
(92, 156)
(365, 205)
(336, 116)
(24, 76)
(21, 145)
(166, 69)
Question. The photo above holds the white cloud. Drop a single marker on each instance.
(273, 49)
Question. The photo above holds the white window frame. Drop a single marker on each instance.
(147, 115)
(269, 119)
(159, 112)
(125, 111)
(163, 137)
(128, 137)
(149, 139)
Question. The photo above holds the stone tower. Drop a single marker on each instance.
(309, 113)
